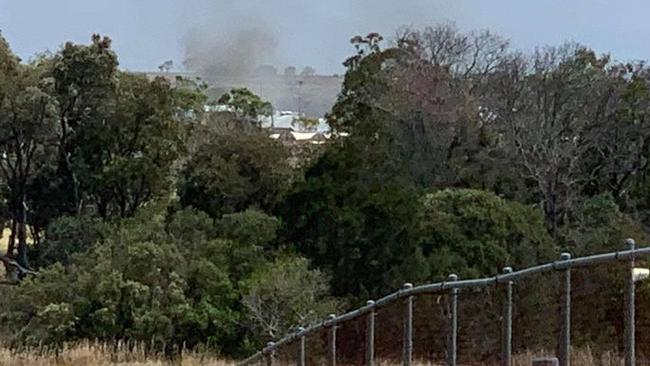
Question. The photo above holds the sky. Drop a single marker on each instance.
(312, 32)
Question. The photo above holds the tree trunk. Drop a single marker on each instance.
(554, 216)
(22, 234)
(35, 233)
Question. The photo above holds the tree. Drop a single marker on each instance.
(166, 66)
(85, 80)
(27, 117)
(359, 230)
(251, 237)
(355, 213)
(141, 283)
(251, 226)
(600, 226)
(246, 105)
(546, 109)
(416, 109)
(306, 123)
(621, 168)
(440, 92)
(126, 159)
(119, 133)
(233, 172)
(358, 214)
(284, 295)
(67, 236)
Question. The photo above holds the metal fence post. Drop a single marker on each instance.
(630, 357)
(370, 335)
(453, 324)
(303, 348)
(270, 354)
(507, 322)
(332, 342)
(408, 328)
(564, 354)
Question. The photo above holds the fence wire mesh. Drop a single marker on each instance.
(351, 342)
(316, 348)
(287, 354)
(598, 308)
(536, 314)
(430, 328)
(480, 326)
(389, 332)
(642, 306)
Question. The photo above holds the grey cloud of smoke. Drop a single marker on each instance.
(234, 37)
(225, 38)
(225, 41)
(234, 54)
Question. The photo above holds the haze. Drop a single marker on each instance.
(297, 32)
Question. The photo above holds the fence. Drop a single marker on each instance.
(507, 307)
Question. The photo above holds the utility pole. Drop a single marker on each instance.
(300, 82)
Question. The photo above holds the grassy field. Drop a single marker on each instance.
(89, 354)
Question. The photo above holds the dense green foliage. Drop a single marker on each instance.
(150, 219)
(230, 173)
(141, 282)
(482, 233)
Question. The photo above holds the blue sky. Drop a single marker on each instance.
(308, 32)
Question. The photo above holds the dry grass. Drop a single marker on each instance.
(579, 357)
(89, 354)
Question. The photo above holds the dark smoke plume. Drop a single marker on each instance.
(231, 55)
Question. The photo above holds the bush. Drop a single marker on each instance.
(480, 233)
(284, 295)
(252, 227)
(67, 236)
(140, 283)
(600, 226)
(233, 172)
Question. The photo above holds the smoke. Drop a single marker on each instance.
(233, 54)
(233, 37)
(225, 41)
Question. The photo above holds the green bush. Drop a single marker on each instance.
(479, 233)
(67, 236)
(140, 283)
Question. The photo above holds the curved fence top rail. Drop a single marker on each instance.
(453, 283)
